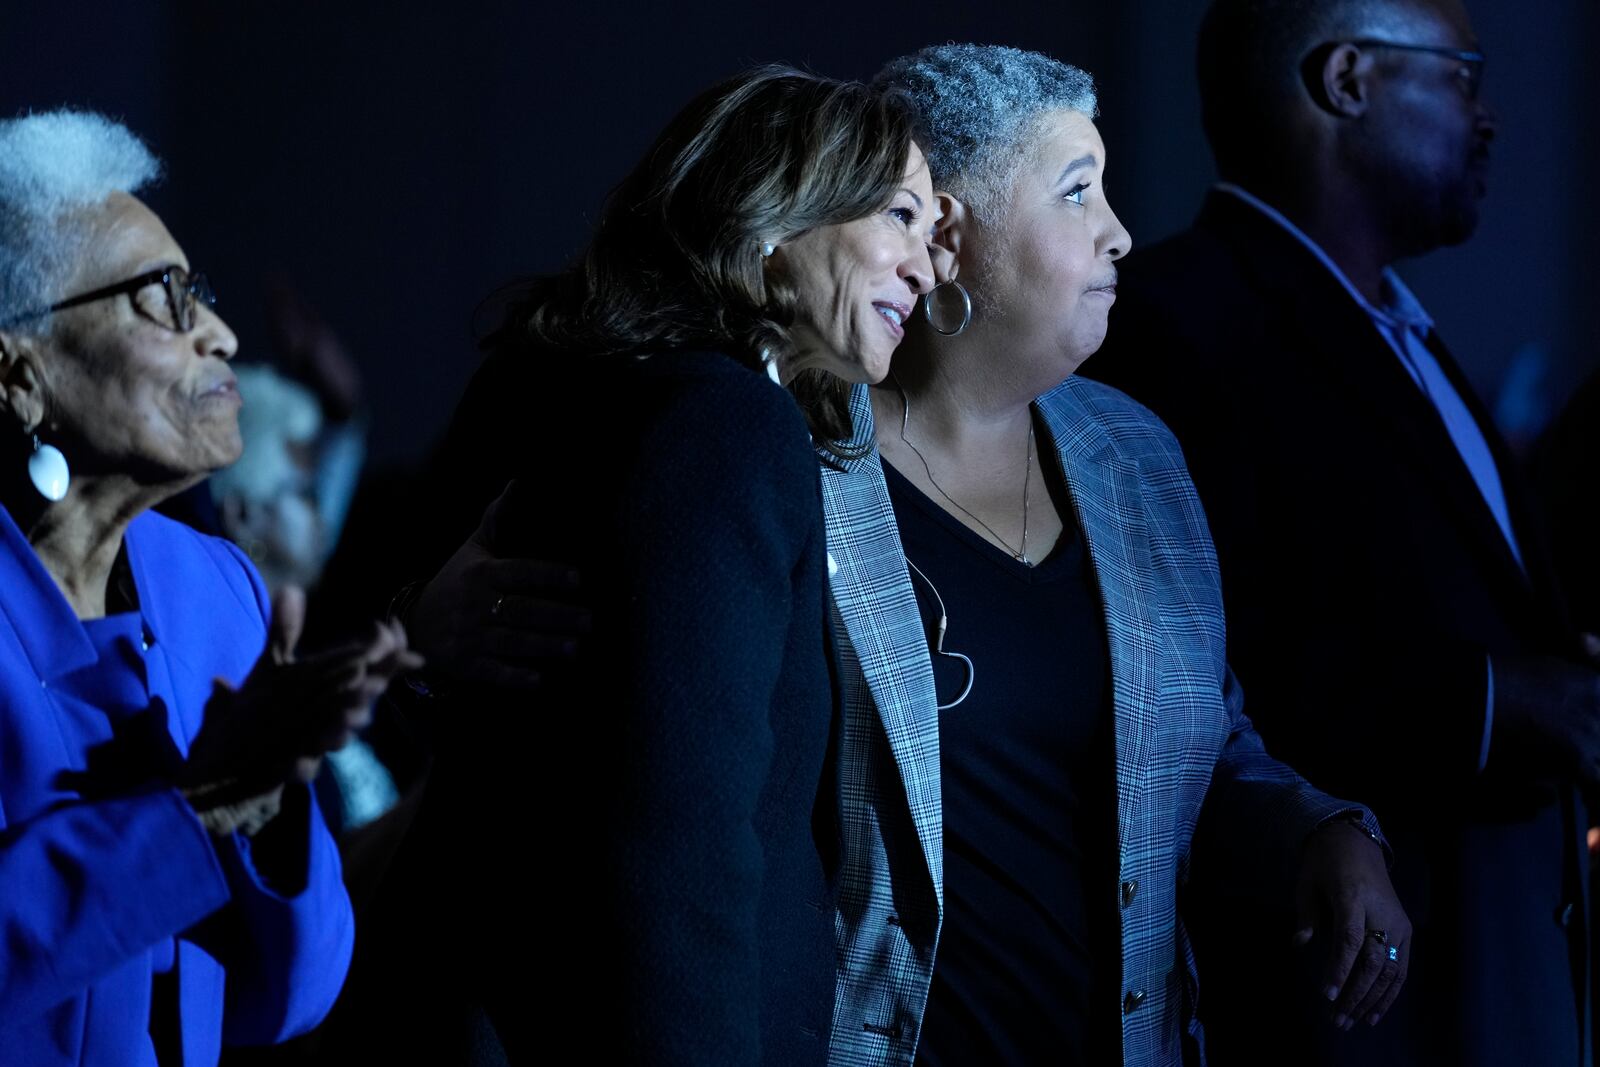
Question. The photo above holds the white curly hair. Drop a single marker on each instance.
(51, 163)
(977, 106)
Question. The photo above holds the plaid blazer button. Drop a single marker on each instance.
(1131, 1002)
(1129, 888)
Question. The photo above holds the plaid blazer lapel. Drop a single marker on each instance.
(1109, 505)
(877, 609)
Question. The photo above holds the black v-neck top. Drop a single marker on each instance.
(1027, 968)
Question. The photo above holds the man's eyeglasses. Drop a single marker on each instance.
(180, 292)
(1471, 62)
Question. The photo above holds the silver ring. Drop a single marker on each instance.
(494, 609)
(1380, 936)
(1394, 954)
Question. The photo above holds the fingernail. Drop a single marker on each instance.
(1372, 1020)
(1331, 992)
(1342, 1022)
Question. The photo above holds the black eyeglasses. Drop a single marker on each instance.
(1471, 62)
(180, 289)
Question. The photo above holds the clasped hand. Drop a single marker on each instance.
(275, 728)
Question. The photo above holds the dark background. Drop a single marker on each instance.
(398, 167)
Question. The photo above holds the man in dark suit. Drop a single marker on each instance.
(1391, 614)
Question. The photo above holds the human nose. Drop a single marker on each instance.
(212, 337)
(1487, 123)
(1115, 240)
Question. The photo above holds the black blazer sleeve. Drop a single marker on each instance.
(698, 524)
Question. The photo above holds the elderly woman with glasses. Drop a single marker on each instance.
(166, 882)
(1030, 608)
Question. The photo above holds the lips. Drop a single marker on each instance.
(893, 313)
(225, 387)
(1107, 286)
(1478, 169)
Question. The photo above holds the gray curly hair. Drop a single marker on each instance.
(977, 105)
(52, 163)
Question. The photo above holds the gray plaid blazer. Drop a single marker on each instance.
(1181, 734)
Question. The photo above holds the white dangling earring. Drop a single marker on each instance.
(47, 470)
(771, 365)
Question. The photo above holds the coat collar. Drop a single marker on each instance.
(1105, 487)
(50, 632)
(46, 626)
(1400, 309)
(877, 609)
(860, 450)
(1312, 304)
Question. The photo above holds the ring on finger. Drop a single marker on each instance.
(1380, 936)
(494, 609)
(1393, 953)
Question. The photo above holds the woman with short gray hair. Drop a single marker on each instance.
(166, 882)
(1032, 609)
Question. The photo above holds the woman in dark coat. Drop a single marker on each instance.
(654, 836)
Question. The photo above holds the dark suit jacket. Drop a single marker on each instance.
(1366, 584)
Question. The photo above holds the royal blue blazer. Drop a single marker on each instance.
(102, 890)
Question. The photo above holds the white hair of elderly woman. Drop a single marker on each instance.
(52, 162)
(977, 105)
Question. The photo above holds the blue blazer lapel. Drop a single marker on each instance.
(1109, 505)
(878, 610)
(50, 634)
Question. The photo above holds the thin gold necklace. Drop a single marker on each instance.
(1020, 554)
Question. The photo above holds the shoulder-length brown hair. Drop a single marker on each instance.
(676, 261)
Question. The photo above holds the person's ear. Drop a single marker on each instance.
(21, 388)
(948, 234)
(1339, 78)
